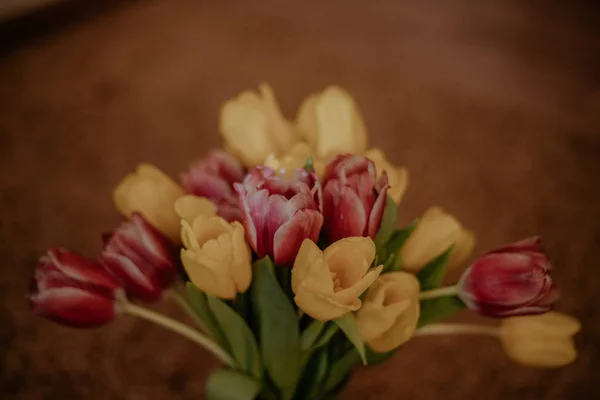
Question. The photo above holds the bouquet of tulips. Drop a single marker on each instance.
(284, 250)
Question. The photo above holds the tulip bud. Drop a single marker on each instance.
(213, 178)
(540, 340)
(332, 124)
(72, 290)
(435, 232)
(280, 211)
(390, 311)
(327, 284)
(216, 256)
(514, 280)
(152, 193)
(397, 176)
(253, 126)
(353, 199)
(140, 257)
(295, 158)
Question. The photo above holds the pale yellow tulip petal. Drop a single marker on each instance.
(306, 120)
(335, 119)
(210, 228)
(321, 308)
(346, 295)
(308, 254)
(350, 258)
(204, 274)
(188, 237)
(462, 249)
(189, 207)
(241, 267)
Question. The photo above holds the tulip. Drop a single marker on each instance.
(152, 193)
(540, 340)
(73, 290)
(213, 178)
(279, 211)
(390, 311)
(295, 158)
(216, 256)
(253, 126)
(353, 199)
(435, 232)
(332, 124)
(397, 176)
(514, 280)
(327, 284)
(140, 257)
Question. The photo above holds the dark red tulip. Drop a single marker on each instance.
(73, 290)
(513, 280)
(140, 257)
(353, 199)
(213, 177)
(280, 211)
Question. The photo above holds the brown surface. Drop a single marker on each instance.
(494, 109)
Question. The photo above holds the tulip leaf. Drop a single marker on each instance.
(388, 223)
(309, 166)
(240, 338)
(347, 324)
(311, 334)
(391, 250)
(375, 358)
(435, 310)
(229, 384)
(314, 375)
(432, 275)
(278, 328)
(341, 369)
(330, 330)
(198, 301)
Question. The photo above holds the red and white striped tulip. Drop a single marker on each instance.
(72, 290)
(280, 211)
(213, 177)
(513, 280)
(353, 199)
(140, 257)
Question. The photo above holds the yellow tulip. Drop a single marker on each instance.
(253, 126)
(544, 340)
(390, 311)
(327, 284)
(434, 233)
(295, 158)
(216, 255)
(152, 193)
(332, 124)
(397, 176)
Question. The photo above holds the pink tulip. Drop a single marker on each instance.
(73, 290)
(513, 280)
(353, 199)
(280, 211)
(140, 257)
(213, 177)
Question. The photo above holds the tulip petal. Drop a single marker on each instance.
(350, 259)
(378, 209)
(81, 269)
(241, 267)
(73, 306)
(189, 207)
(344, 213)
(322, 308)
(139, 280)
(532, 244)
(308, 255)
(462, 249)
(345, 296)
(208, 229)
(206, 274)
(290, 235)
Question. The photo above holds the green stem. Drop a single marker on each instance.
(439, 292)
(458, 329)
(180, 328)
(187, 308)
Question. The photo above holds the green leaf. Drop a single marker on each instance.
(314, 375)
(311, 334)
(393, 246)
(330, 330)
(347, 324)
(375, 358)
(240, 338)
(309, 166)
(388, 223)
(199, 303)
(435, 310)
(229, 384)
(432, 275)
(278, 327)
(341, 368)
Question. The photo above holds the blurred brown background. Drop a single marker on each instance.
(494, 108)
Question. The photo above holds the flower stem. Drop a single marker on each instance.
(458, 329)
(180, 328)
(439, 292)
(187, 308)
